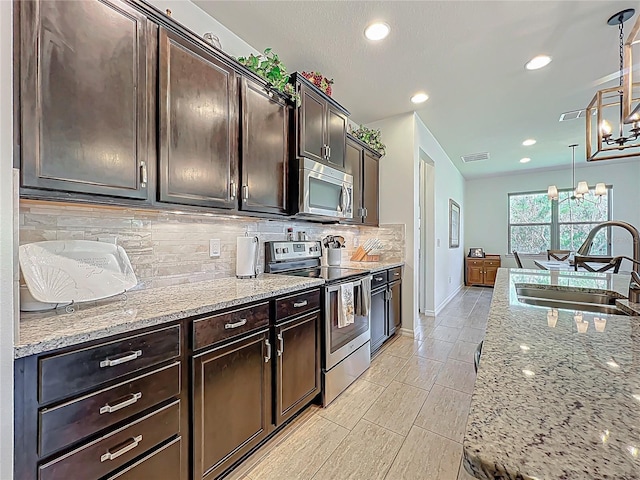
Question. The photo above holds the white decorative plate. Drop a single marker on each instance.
(62, 271)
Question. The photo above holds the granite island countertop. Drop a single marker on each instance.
(549, 401)
(45, 331)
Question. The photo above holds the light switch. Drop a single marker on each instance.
(214, 247)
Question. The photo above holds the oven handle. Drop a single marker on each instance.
(356, 283)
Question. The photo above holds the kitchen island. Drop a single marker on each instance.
(551, 400)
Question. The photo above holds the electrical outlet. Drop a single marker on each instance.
(449, 279)
(438, 242)
(214, 247)
(356, 242)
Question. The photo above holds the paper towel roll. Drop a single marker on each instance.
(247, 257)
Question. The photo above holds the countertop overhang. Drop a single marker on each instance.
(549, 401)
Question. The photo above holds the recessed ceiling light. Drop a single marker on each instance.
(528, 142)
(525, 160)
(538, 62)
(377, 31)
(420, 97)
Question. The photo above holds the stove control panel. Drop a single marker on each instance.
(282, 251)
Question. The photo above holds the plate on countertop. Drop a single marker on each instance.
(63, 271)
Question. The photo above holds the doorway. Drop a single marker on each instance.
(426, 229)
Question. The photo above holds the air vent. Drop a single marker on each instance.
(475, 157)
(573, 115)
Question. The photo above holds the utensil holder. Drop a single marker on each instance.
(334, 256)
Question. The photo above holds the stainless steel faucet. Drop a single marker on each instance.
(586, 246)
(634, 283)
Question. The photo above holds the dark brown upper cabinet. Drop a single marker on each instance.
(363, 164)
(321, 125)
(87, 97)
(266, 121)
(199, 126)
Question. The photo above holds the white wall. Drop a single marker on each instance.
(399, 200)
(7, 259)
(486, 215)
(200, 22)
(449, 183)
(406, 136)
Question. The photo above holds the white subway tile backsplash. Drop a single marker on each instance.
(167, 248)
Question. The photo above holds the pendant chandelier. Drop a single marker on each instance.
(604, 142)
(579, 191)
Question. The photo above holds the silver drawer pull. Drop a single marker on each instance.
(379, 279)
(242, 321)
(122, 451)
(300, 304)
(114, 408)
(268, 356)
(281, 340)
(107, 362)
(396, 274)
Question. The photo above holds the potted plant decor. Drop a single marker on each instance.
(370, 136)
(319, 80)
(269, 66)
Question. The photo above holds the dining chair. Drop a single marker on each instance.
(560, 255)
(517, 257)
(587, 262)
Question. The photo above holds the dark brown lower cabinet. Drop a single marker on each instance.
(394, 299)
(386, 306)
(164, 463)
(231, 402)
(378, 318)
(298, 364)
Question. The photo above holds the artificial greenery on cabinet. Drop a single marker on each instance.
(371, 137)
(269, 66)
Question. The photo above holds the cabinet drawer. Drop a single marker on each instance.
(105, 454)
(492, 263)
(209, 330)
(62, 376)
(395, 274)
(297, 304)
(475, 263)
(162, 463)
(379, 279)
(72, 421)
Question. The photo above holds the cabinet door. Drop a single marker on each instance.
(378, 319)
(490, 275)
(311, 124)
(475, 275)
(336, 136)
(85, 97)
(297, 346)
(265, 149)
(395, 306)
(231, 402)
(353, 166)
(199, 126)
(370, 187)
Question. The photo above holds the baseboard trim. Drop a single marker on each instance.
(448, 299)
(429, 313)
(405, 332)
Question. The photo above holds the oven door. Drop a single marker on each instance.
(340, 342)
(325, 191)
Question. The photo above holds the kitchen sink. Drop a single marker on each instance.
(596, 302)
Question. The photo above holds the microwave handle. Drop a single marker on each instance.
(344, 198)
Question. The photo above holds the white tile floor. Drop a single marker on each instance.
(403, 419)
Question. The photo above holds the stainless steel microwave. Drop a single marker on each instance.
(324, 191)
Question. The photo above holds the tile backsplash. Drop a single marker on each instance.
(168, 248)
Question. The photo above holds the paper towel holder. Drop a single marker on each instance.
(247, 267)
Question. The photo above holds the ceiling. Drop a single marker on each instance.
(468, 56)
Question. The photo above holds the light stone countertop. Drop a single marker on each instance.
(550, 402)
(373, 267)
(46, 331)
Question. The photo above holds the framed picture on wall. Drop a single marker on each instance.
(454, 224)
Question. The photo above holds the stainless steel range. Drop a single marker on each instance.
(346, 350)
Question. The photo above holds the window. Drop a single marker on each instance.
(537, 224)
